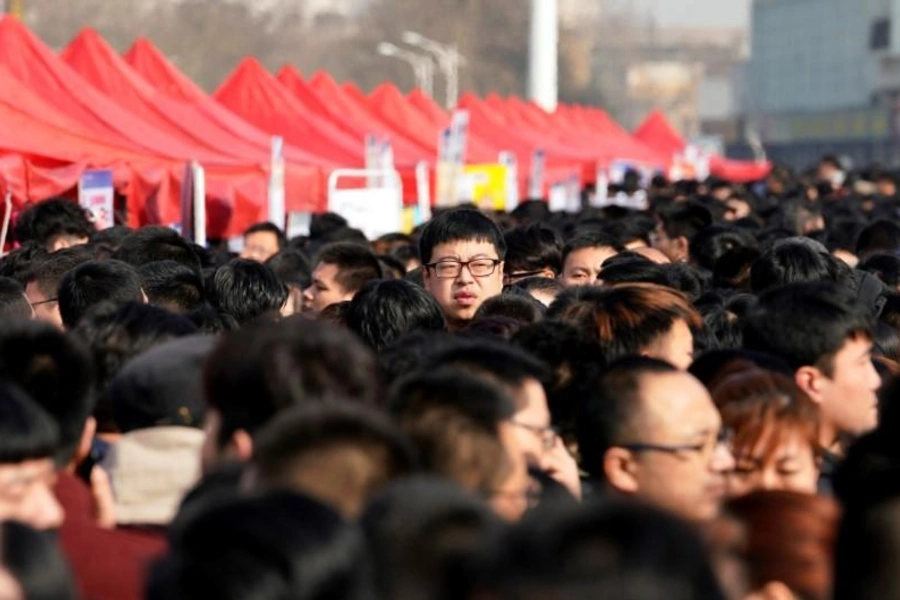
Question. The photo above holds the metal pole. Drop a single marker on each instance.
(449, 59)
(422, 65)
(543, 53)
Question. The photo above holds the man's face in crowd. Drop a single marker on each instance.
(26, 494)
(674, 249)
(462, 295)
(64, 241)
(582, 266)
(260, 246)
(676, 346)
(677, 413)
(45, 308)
(848, 397)
(324, 290)
(532, 421)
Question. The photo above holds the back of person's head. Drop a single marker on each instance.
(411, 352)
(885, 267)
(880, 236)
(600, 550)
(788, 263)
(356, 265)
(532, 250)
(732, 270)
(322, 225)
(20, 263)
(628, 319)
(94, 282)
(722, 320)
(14, 306)
(383, 311)
(634, 269)
(246, 290)
(460, 225)
(155, 244)
(172, 285)
(516, 304)
(56, 371)
(790, 541)
(255, 373)
(105, 242)
(542, 289)
(339, 453)
(609, 412)
(273, 547)
(54, 224)
(422, 533)
(162, 387)
(391, 268)
(684, 219)
(27, 432)
(453, 420)
(711, 243)
(806, 324)
(48, 270)
(36, 563)
(291, 267)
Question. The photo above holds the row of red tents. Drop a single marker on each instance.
(137, 115)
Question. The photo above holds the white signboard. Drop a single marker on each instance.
(374, 211)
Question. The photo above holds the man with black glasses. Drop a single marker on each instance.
(653, 433)
(462, 252)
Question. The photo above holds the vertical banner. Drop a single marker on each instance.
(423, 193)
(186, 226)
(601, 195)
(199, 204)
(444, 174)
(508, 160)
(385, 160)
(459, 136)
(536, 175)
(96, 195)
(277, 207)
(573, 192)
(372, 158)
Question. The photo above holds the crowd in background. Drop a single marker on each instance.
(686, 393)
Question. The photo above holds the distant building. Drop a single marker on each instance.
(825, 77)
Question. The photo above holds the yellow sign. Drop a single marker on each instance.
(485, 185)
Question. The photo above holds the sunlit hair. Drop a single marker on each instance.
(627, 318)
(764, 409)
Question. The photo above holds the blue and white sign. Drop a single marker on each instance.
(96, 195)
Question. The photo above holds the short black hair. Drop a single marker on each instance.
(722, 313)
(48, 271)
(116, 333)
(458, 225)
(881, 236)
(590, 239)
(411, 352)
(154, 244)
(291, 267)
(19, 263)
(806, 324)
(791, 262)
(94, 282)
(267, 227)
(256, 372)
(684, 219)
(27, 432)
(608, 409)
(356, 264)
(13, 303)
(48, 219)
(885, 267)
(172, 285)
(533, 248)
(536, 284)
(710, 243)
(383, 311)
(279, 545)
(322, 225)
(56, 371)
(517, 304)
(391, 268)
(497, 362)
(246, 290)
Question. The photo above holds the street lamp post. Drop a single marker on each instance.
(448, 57)
(422, 65)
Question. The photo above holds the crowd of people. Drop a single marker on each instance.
(693, 401)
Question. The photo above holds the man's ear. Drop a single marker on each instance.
(810, 380)
(620, 470)
(242, 446)
(682, 247)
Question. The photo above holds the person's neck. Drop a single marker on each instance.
(456, 325)
(831, 441)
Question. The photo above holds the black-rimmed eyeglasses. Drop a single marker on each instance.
(48, 301)
(724, 438)
(548, 435)
(450, 269)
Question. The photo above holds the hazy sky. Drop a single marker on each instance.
(734, 13)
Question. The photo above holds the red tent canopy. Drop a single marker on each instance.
(428, 107)
(255, 95)
(656, 131)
